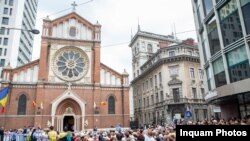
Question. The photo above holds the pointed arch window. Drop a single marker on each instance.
(111, 105)
(22, 105)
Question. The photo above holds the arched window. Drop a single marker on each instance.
(111, 105)
(150, 48)
(22, 105)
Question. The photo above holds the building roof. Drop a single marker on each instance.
(152, 35)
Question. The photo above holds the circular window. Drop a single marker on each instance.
(70, 63)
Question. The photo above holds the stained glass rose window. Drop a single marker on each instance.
(70, 63)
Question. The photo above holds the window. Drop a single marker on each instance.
(5, 11)
(219, 73)
(238, 64)
(194, 92)
(245, 10)
(5, 51)
(189, 53)
(2, 31)
(72, 31)
(5, 41)
(213, 36)
(176, 95)
(2, 62)
(152, 99)
(162, 96)
(151, 82)
(208, 6)
(1, 51)
(144, 102)
(10, 11)
(111, 105)
(150, 48)
(0, 40)
(230, 17)
(157, 98)
(202, 93)
(22, 105)
(160, 77)
(200, 72)
(5, 21)
(171, 53)
(155, 80)
(147, 101)
(11, 2)
(6, 2)
(192, 73)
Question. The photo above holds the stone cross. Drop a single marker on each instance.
(69, 86)
(74, 6)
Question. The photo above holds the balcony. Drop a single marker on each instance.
(159, 104)
(184, 101)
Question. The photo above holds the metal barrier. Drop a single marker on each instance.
(19, 137)
(22, 137)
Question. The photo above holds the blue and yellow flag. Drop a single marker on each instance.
(3, 97)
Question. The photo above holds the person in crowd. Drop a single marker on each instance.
(1, 133)
(52, 134)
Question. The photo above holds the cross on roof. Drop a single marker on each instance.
(74, 6)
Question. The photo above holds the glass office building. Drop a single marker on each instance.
(223, 29)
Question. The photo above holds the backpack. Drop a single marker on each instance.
(68, 137)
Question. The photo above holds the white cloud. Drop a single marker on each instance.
(118, 17)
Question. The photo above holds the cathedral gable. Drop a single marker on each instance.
(71, 26)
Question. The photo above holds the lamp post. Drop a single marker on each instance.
(34, 31)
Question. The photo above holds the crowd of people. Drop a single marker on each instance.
(154, 132)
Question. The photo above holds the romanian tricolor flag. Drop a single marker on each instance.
(3, 97)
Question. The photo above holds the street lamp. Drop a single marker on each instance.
(34, 31)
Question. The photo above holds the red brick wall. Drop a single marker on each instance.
(47, 95)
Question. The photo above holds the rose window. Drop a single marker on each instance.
(70, 63)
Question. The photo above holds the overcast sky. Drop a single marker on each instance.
(118, 18)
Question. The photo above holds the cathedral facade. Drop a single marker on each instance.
(68, 87)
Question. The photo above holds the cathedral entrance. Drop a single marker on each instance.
(68, 123)
(68, 111)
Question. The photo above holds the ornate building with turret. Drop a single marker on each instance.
(168, 80)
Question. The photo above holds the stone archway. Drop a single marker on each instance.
(69, 115)
(71, 105)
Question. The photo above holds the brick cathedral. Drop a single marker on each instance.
(68, 86)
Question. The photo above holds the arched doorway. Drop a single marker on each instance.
(69, 122)
(68, 105)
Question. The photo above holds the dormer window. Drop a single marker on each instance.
(72, 31)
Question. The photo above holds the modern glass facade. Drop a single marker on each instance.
(245, 5)
(224, 46)
(230, 23)
(213, 37)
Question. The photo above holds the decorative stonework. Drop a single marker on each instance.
(70, 63)
(174, 81)
(69, 110)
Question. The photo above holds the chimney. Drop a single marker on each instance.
(164, 44)
(189, 41)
